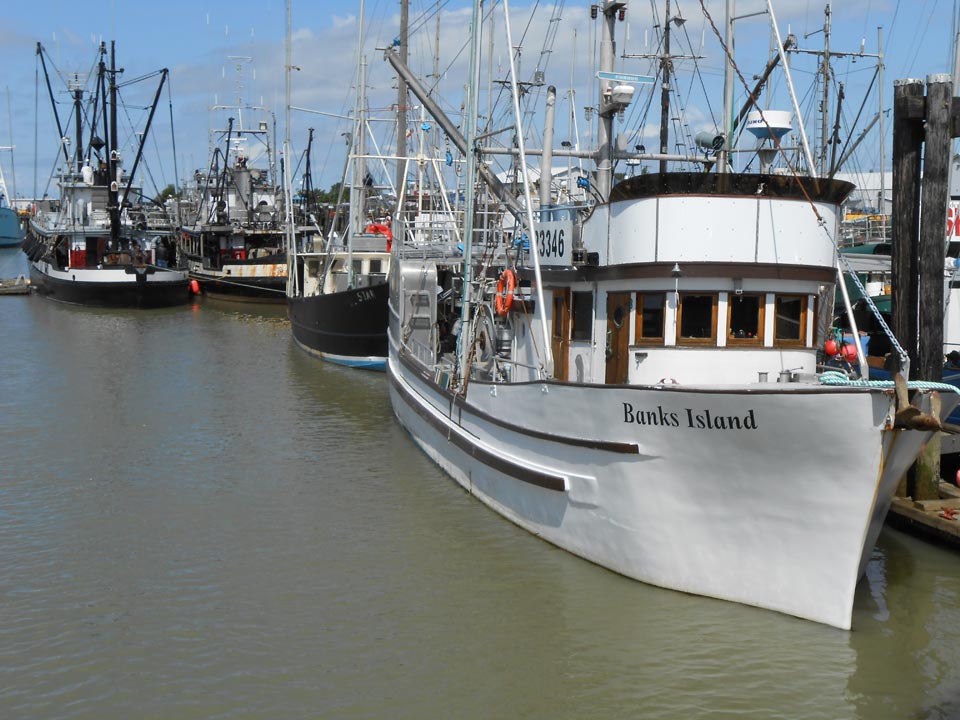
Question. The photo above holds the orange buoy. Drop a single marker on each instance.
(849, 352)
(194, 287)
(830, 348)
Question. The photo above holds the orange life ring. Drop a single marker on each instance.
(505, 287)
(384, 230)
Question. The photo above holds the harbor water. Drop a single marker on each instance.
(197, 520)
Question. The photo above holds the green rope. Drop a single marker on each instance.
(832, 377)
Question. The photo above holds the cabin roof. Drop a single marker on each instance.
(731, 184)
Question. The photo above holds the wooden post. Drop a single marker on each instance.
(933, 222)
(905, 267)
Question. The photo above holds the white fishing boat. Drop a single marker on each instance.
(641, 388)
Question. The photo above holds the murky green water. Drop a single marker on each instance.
(199, 521)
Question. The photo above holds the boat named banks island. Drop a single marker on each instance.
(641, 387)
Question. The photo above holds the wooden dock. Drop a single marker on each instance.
(937, 520)
(16, 286)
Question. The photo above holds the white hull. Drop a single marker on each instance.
(704, 511)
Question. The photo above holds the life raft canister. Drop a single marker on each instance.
(505, 287)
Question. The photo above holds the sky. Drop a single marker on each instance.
(203, 42)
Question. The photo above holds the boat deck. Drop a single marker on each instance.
(937, 520)
(16, 286)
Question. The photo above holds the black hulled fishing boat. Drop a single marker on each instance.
(338, 294)
(233, 243)
(103, 243)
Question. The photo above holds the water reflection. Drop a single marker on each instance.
(200, 519)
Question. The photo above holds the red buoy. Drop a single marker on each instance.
(830, 348)
(849, 352)
(194, 287)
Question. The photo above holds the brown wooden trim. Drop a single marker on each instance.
(790, 343)
(686, 184)
(461, 404)
(638, 337)
(647, 271)
(547, 481)
(560, 340)
(687, 341)
(747, 342)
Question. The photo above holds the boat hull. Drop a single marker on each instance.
(252, 289)
(255, 281)
(11, 231)
(677, 486)
(347, 327)
(113, 287)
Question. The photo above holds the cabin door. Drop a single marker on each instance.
(618, 337)
(561, 333)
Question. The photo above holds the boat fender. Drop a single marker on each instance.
(505, 287)
(384, 230)
(194, 287)
(830, 348)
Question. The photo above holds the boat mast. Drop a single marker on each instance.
(665, 89)
(544, 178)
(781, 49)
(53, 104)
(113, 203)
(470, 187)
(143, 138)
(78, 112)
(610, 9)
(103, 94)
(883, 180)
(402, 102)
(358, 189)
(724, 158)
(825, 110)
(292, 282)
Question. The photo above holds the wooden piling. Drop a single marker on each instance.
(933, 221)
(908, 111)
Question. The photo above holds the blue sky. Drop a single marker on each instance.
(196, 40)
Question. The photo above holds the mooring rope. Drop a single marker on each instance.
(833, 377)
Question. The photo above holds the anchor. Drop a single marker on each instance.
(910, 417)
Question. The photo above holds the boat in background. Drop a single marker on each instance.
(103, 243)
(11, 229)
(232, 236)
(338, 292)
(641, 386)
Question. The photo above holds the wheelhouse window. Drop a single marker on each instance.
(582, 320)
(650, 318)
(745, 319)
(790, 323)
(697, 319)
